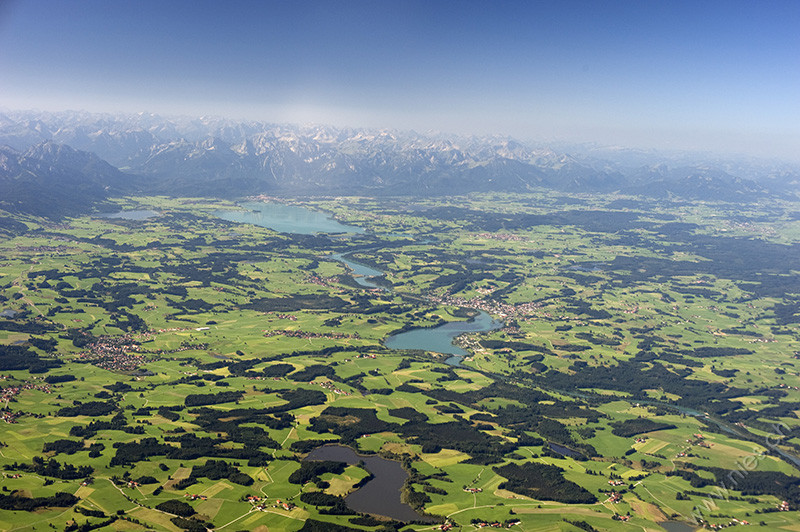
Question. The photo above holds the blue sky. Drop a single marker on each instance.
(706, 75)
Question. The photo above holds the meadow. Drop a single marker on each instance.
(657, 343)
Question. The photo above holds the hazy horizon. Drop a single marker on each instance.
(716, 76)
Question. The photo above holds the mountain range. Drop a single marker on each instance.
(63, 163)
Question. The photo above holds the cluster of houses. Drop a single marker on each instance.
(698, 440)
(321, 281)
(58, 250)
(8, 394)
(281, 316)
(195, 497)
(285, 505)
(114, 360)
(720, 526)
(615, 498)
(783, 507)
(112, 353)
(473, 490)
(260, 503)
(292, 333)
(330, 386)
(505, 237)
(173, 329)
(503, 310)
(762, 341)
(362, 355)
(497, 524)
(109, 345)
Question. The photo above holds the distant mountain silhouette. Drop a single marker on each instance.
(54, 180)
(53, 163)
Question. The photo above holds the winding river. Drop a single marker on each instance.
(300, 220)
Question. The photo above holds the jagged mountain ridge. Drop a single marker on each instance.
(50, 179)
(214, 156)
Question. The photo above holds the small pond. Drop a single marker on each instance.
(379, 496)
(564, 451)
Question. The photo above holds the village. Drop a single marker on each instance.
(292, 333)
(9, 394)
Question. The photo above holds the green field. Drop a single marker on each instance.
(658, 343)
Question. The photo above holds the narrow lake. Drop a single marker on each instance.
(379, 496)
(361, 272)
(287, 219)
(440, 339)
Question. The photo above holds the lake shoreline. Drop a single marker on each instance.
(388, 476)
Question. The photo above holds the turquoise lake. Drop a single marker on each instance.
(287, 219)
(440, 339)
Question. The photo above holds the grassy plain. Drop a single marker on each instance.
(617, 312)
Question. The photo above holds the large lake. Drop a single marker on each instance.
(379, 496)
(287, 219)
(440, 339)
